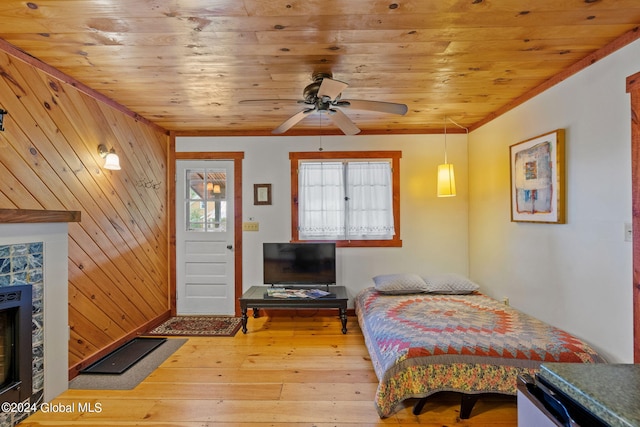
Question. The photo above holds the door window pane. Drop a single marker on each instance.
(206, 204)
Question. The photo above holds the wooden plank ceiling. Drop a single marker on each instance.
(186, 64)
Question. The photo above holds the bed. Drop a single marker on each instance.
(425, 343)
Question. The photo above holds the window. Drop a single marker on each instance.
(351, 198)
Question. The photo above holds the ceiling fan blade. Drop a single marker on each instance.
(343, 122)
(291, 121)
(331, 88)
(271, 101)
(383, 107)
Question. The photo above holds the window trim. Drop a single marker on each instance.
(394, 156)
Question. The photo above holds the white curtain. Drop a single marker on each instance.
(321, 203)
(350, 200)
(370, 201)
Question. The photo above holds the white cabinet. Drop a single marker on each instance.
(531, 413)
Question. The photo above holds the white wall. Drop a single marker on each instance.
(433, 230)
(577, 276)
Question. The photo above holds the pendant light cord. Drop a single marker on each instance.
(320, 148)
(455, 123)
(445, 140)
(448, 119)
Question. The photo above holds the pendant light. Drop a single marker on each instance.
(446, 176)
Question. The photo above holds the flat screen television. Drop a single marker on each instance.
(299, 263)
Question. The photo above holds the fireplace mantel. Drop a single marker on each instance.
(25, 216)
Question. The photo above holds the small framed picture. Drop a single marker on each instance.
(537, 179)
(261, 194)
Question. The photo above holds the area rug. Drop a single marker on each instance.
(201, 326)
(133, 376)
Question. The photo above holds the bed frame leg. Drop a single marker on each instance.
(417, 408)
(466, 405)
(467, 401)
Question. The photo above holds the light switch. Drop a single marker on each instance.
(251, 226)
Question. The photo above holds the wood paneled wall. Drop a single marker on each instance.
(118, 252)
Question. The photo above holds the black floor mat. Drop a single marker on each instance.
(118, 361)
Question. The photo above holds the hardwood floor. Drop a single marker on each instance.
(286, 371)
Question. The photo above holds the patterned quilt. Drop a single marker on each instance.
(421, 344)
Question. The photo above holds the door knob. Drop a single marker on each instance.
(230, 247)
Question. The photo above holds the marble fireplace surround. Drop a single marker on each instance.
(50, 228)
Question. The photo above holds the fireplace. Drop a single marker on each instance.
(15, 343)
(35, 256)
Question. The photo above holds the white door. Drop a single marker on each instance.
(204, 237)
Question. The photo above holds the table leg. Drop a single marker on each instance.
(343, 318)
(244, 320)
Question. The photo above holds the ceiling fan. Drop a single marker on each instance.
(324, 96)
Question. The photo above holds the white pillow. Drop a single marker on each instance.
(403, 283)
(449, 284)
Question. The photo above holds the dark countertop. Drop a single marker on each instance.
(609, 391)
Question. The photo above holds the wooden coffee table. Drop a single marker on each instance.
(256, 297)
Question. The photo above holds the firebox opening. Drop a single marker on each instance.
(15, 343)
(8, 367)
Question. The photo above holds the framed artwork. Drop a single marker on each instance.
(261, 194)
(537, 179)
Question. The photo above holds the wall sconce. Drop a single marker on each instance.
(2, 114)
(111, 159)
